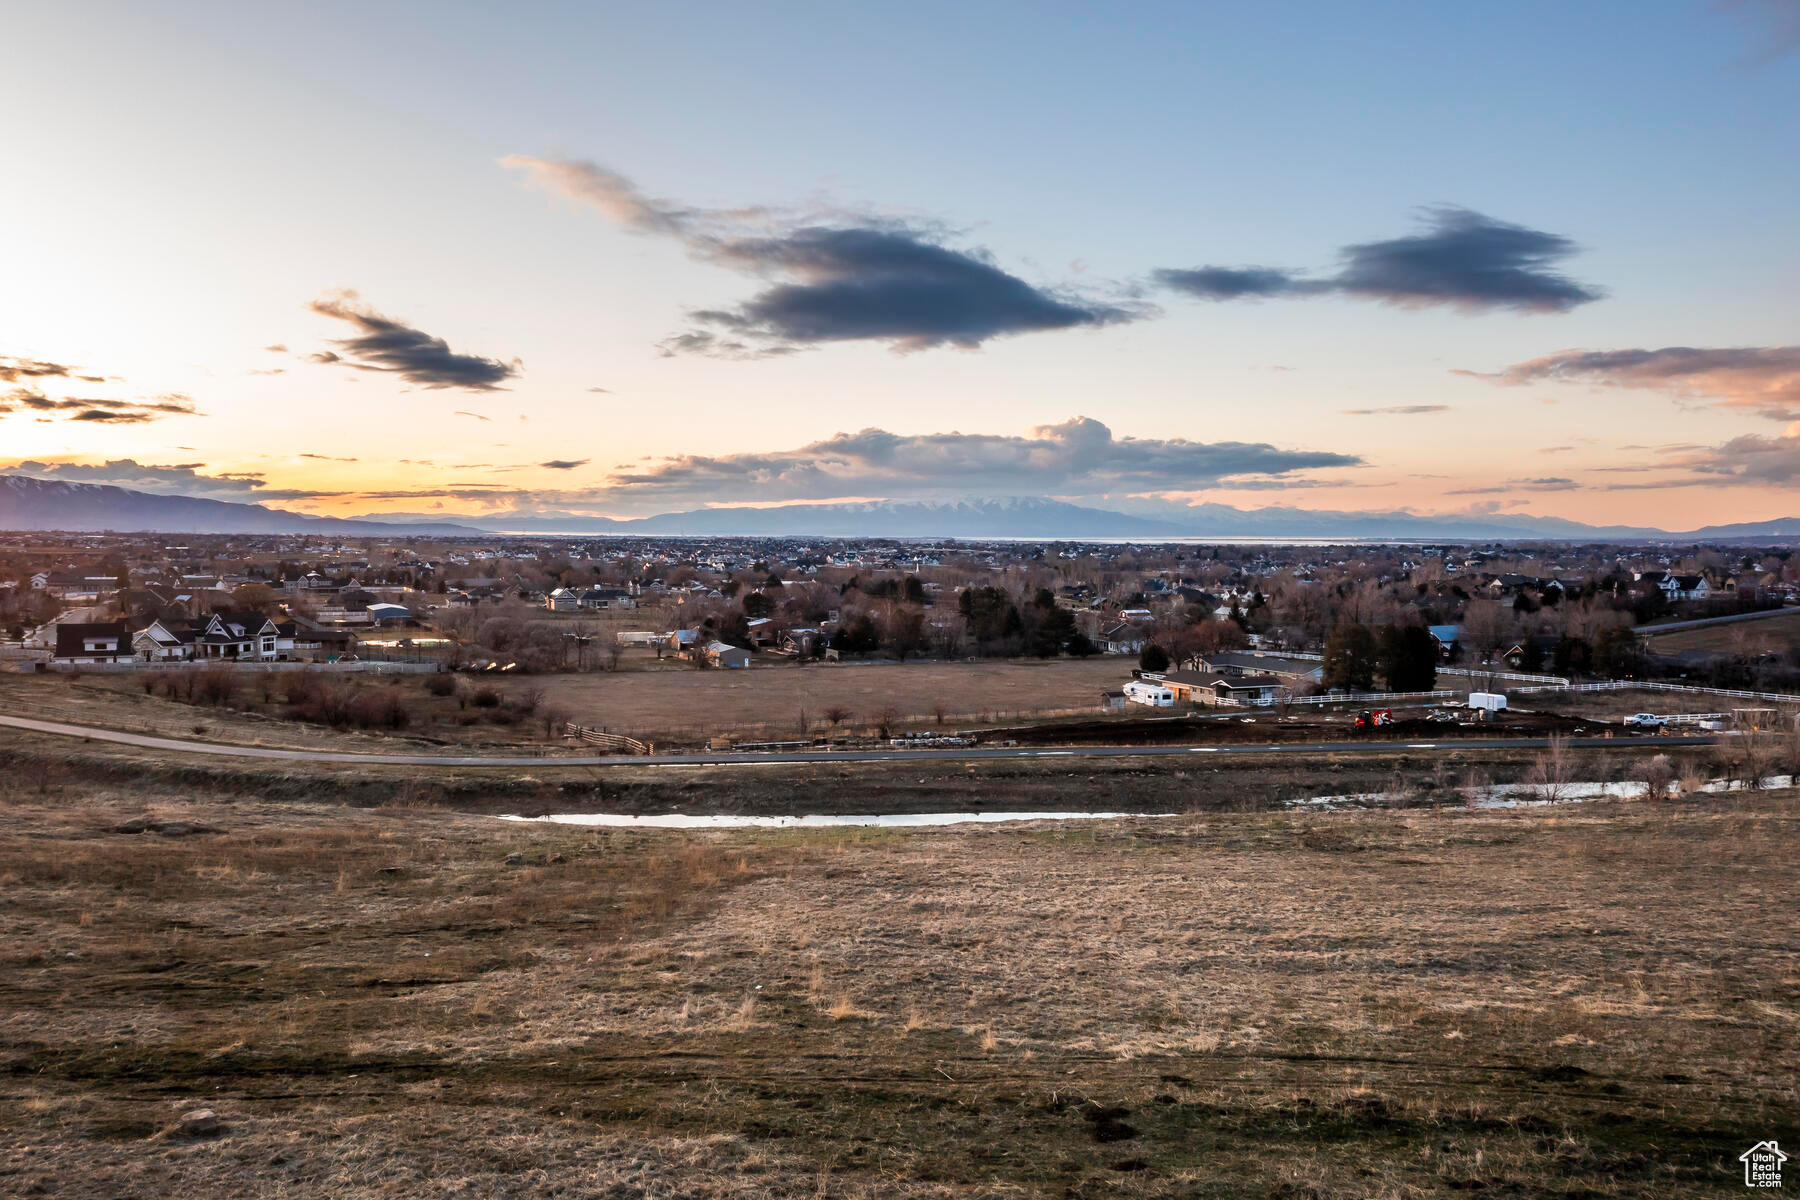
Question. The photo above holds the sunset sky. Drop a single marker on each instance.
(618, 259)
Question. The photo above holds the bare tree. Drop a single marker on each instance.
(1552, 770)
(1659, 774)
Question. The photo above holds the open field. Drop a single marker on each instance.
(1593, 1000)
(1614, 705)
(666, 701)
(1778, 632)
(687, 704)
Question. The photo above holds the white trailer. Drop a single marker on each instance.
(1491, 701)
(1141, 691)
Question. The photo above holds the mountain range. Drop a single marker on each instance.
(27, 503)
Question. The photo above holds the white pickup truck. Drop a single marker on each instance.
(1644, 721)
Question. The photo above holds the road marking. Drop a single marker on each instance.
(1421, 745)
(1203, 749)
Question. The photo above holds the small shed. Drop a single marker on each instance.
(724, 654)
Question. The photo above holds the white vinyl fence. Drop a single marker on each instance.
(368, 667)
(1649, 685)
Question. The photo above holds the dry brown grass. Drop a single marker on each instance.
(1367, 1004)
(1745, 638)
(769, 699)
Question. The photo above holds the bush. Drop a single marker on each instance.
(485, 697)
(441, 685)
(379, 710)
(215, 685)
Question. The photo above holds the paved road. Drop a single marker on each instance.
(1364, 746)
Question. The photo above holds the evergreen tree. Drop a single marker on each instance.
(1409, 658)
(1350, 654)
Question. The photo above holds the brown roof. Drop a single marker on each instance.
(71, 636)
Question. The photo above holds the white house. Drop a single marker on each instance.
(1685, 587)
(244, 636)
(157, 642)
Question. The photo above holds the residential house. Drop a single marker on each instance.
(1539, 649)
(1212, 687)
(1293, 672)
(246, 636)
(164, 640)
(93, 642)
(602, 598)
(1680, 588)
(801, 642)
(1121, 638)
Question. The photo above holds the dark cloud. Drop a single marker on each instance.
(842, 276)
(1397, 410)
(1080, 457)
(1236, 283)
(23, 370)
(16, 370)
(1763, 378)
(277, 348)
(329, 458)
(1463, 260)
(890, 285)
(565, 464)
(97, 410)
(389, 346)
(462, 413)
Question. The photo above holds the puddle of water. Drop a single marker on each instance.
(819, 820)
(1521, 795)
(1500, 795)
